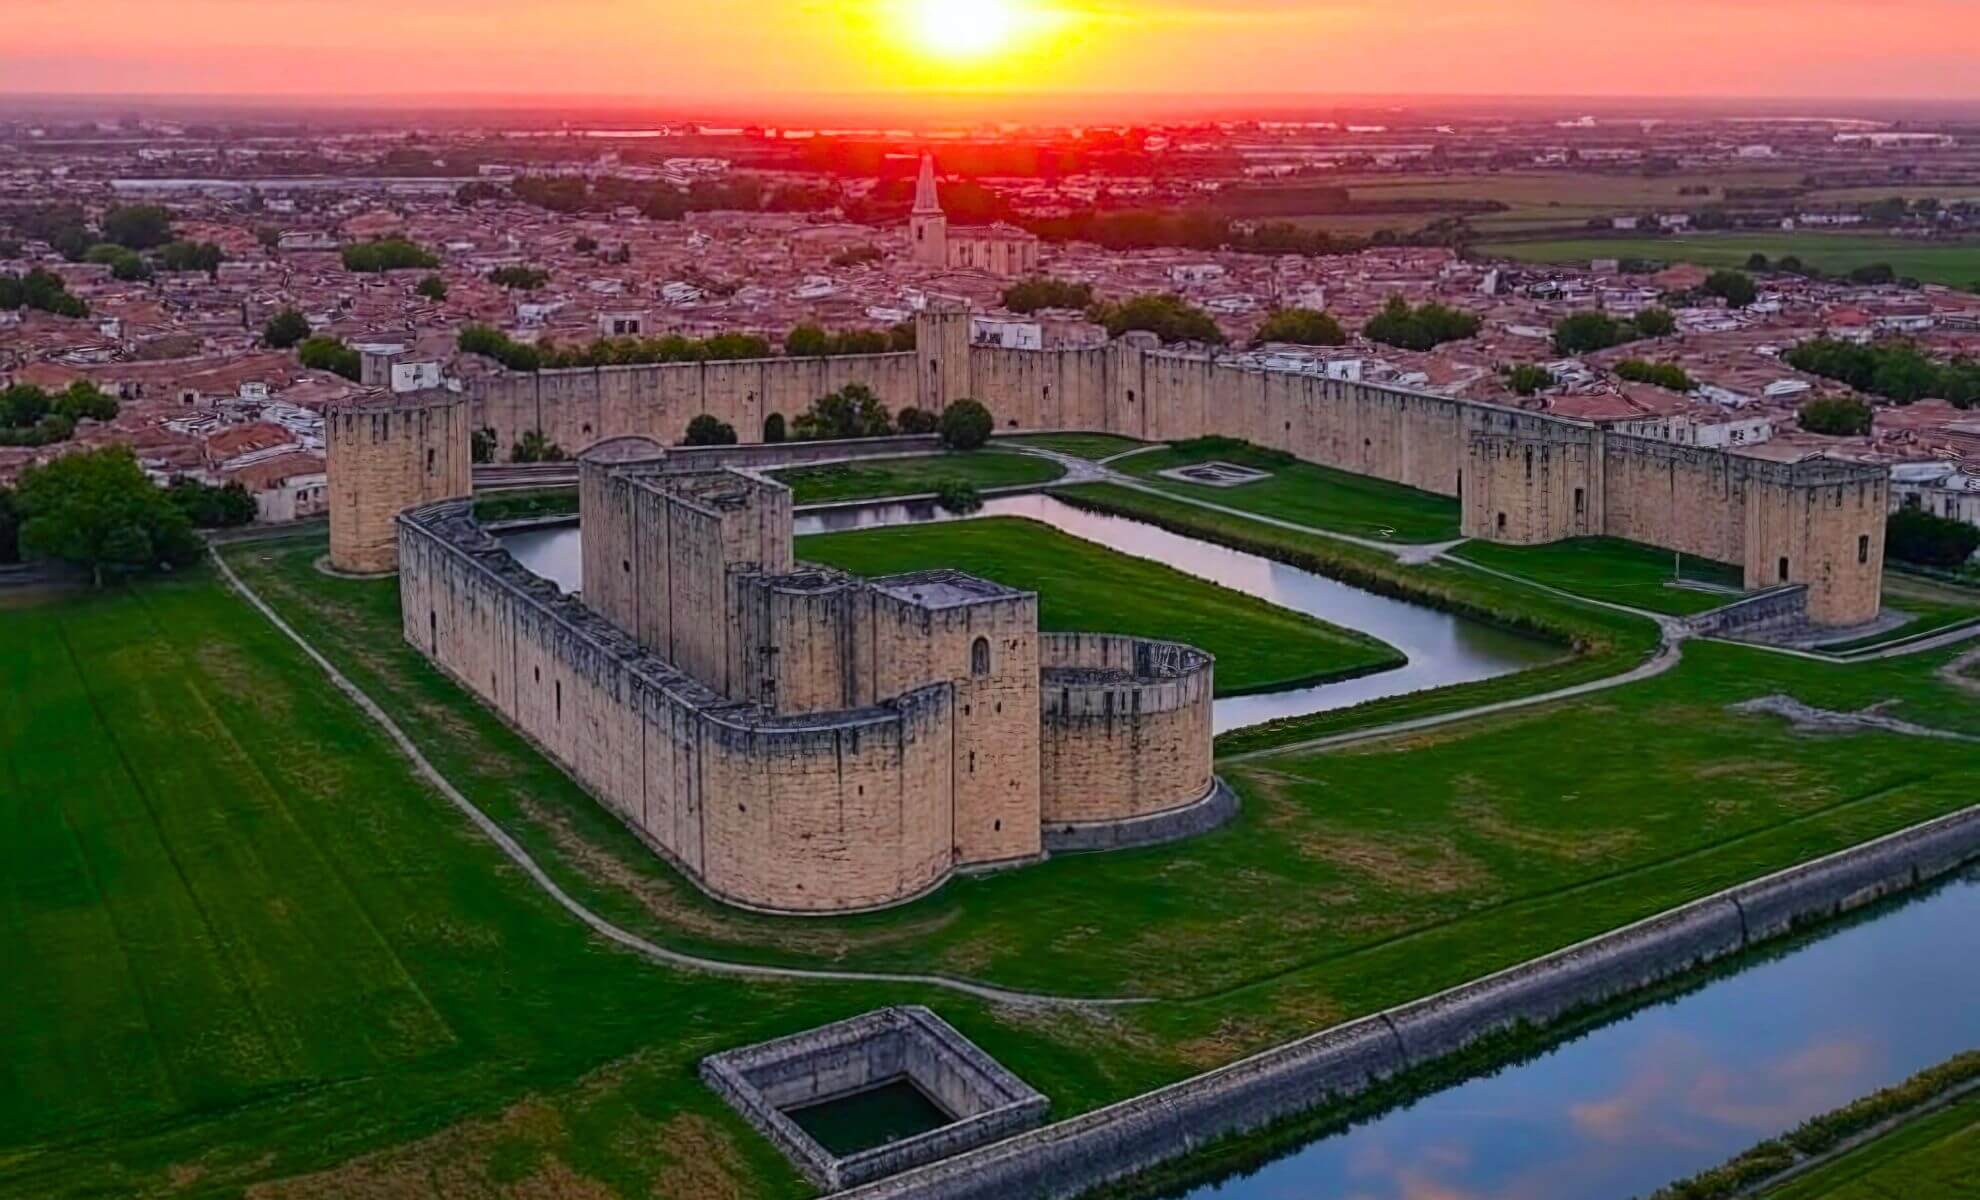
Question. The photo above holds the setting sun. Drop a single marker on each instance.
(964, 28)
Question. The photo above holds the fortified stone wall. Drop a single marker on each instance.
(384, 456)
(1125, 721)
(1530, 480)
(805, 814)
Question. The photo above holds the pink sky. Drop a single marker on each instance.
(739, 48)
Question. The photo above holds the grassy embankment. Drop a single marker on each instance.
(1936, 1157)
(1304, 492)
(1087, 588)
(1616, 571)
(914, 476)
(1956, 264)
(263, 947)
(1091, 446)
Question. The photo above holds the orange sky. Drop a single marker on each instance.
(739, 48)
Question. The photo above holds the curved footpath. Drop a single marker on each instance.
(604, 928)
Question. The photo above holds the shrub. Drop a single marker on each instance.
(958, 496)
(285, 329)
(1655, 322)
(810, 341)
(706, 430)
(966, 425)
(1422, 328)
(917, 421)
(1528, 378)
(1664, 374)
(98, 510)
(535, 448)
(326, 353)
(851, 412)
(1837, 416)
(522, 279)
(1734, 287)
(432, 287)
(207, 507)
(1915, 536)
(1301, 327)
(481, 445)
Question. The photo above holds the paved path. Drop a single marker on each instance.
(606, 929)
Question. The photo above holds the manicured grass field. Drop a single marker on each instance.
(1614, 570)
(259, 946)
(1087, 588)
(1956, 264)
(1094, 446)
(1306, 493)
(1936, 1157)
(914, 476)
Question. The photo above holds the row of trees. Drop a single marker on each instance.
(1915, 536)
(1194, 230)
(30, 416)
(387, 254)
(133, 240)
(1662, 374)
(43, 291)
(97, 510)
(1586, 332)
(1028, 296)
(1896, 370)
(492, 343)
(854, 411)
(1166, 315)
(810, 341)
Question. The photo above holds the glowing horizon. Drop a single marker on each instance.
(1898, 49)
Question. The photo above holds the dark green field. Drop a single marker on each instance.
(914, 476)
(1306, 493)
(1955, 264)
(258, 947)
(1936, 1157)
(1087, 588)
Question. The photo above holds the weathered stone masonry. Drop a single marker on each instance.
(1817, 522)
(795, 739)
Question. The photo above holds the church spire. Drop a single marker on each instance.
(926, 202)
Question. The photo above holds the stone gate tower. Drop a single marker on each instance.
(928, 225)
(386, 455)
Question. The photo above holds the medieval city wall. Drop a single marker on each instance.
(1125, 726)
(384, 456)
(801, 814)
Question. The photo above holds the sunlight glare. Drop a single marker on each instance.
(964, 29)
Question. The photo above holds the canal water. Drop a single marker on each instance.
(1677, 1087)
(1443, 649)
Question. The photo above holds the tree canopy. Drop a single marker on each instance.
(98, 510)
(285, 329)
(706, 430)
(326, 353)
(1166, 315)
(1896, 370)
(1915, 536)
(851, 412)
(1301, 327)
(137, 226)
(966, 425)
(1837, 416)
(1040, 292)
(1424, 327)
(387, 254)
(1734, 287)
(1662, 374)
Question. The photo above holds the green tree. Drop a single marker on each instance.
(138, 226)
(1734, 287)
(966, 425)
(208, 507)
(807, 341)
(285, 329)
(1655, 322)
(387, 254)
(1528, 378)
(1301, 327)
(1663, 375)
(1166, 315)
(536, 448)
(432, 287)
(1421, 328)
(326, 353)
(706, 430)
(851, 412)
(1584, 332)
(124, 263)
(1040, 292)
(481, 445)
(83, 400)
(192, 256)
(1915, 536)
(1756, 262)
(522, 279)
(97, 509)
(958, 496)
(1837, 416)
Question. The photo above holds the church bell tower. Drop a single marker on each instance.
(928, 226)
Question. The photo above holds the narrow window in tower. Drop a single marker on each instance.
(560, 699)
(1580, 503)
(429, 461)
(1784, 570)
(1863, 548)
(979, 657)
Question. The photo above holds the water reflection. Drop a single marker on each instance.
(1442, 649)
(1676, 1088)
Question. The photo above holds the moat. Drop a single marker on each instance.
(1443, 649)
(1676, 1087)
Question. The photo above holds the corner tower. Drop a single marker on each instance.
(385, 456)
(928, 225)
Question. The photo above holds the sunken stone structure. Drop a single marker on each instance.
(793, 738)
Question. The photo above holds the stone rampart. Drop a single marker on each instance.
(384, 455)
(1070, 1157)
(1776, 608)
(1127, 728)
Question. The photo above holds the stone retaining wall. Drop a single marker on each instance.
(1776, 608)
(1074, 1156)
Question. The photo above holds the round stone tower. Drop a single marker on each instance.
(385, 456)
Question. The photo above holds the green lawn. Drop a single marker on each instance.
(258, 946)
(877, 478)
(525, 503)
(1936, 1157)
(1306, 493)
(1931, 605)
(1956, 264)
(1614, 570)
(1094, 446)
(1087, 588)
